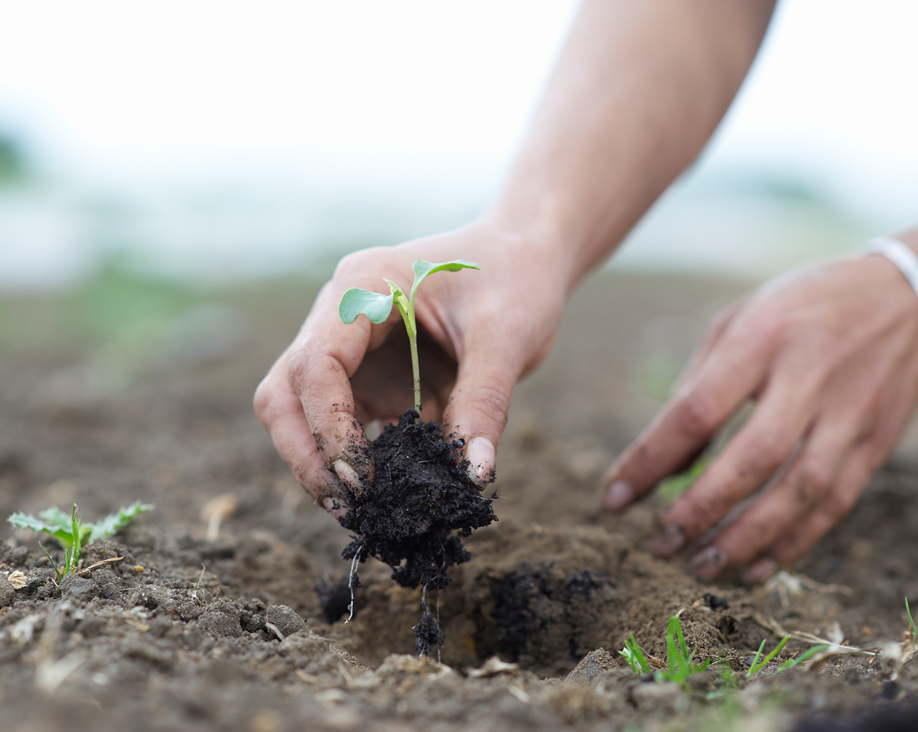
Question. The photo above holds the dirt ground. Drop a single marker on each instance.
(187, 633)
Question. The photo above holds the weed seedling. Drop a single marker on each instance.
(377, 307)
(72, 534)
(681, 663)
(634, 656)
(757, 664)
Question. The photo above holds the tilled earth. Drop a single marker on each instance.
(187, 632)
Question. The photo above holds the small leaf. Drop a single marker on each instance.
(57, 518)
(27, 521)
(374, 305)
(113, 523)
(423, 268)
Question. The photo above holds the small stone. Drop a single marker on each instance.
(592, 665)
(285, 619)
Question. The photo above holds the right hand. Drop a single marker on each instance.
(478, 333)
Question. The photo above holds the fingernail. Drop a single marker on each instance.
(373, 429)
(759, 571)
(480, 454)
(620, 495)
(707, 563)
(347, 475)
(669, 540)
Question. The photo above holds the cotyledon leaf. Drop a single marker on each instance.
(423, 268)
(374, 305)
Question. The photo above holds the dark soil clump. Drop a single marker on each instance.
(530, 599)
(419, 497)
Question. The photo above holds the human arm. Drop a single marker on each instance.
(637, 91)
(830, 357)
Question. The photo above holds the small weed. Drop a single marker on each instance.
(681, 663)
(72, 534)
(757, 664)
(634, 656)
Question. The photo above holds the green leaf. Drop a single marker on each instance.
(27, 521)
(55, 523)
(374, 305)
(423, 268)
(812, 651)
(113, 523)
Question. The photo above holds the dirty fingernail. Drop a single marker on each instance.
(759, 571)
(348, 475)
(620, 495)
(707, 563)
(480, 454)
(373, 429)
(669, 540)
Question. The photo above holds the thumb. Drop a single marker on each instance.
(478, 408)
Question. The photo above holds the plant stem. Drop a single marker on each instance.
(415, 367)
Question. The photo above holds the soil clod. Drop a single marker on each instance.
(419, 497)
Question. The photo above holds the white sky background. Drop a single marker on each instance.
(368, 93)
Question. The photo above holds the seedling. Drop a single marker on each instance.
(757, 664)
(377, 308)
(681, 663)
(72, 534)
(634, 656)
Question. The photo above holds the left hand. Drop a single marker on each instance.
(830, 356)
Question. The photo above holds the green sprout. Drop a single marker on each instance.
(681, 663)
(377, 308)
(757, 665)
(634, 656)
(72, 534)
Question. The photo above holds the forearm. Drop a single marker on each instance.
(637, 91)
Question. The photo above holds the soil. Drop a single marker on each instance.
(245, 631)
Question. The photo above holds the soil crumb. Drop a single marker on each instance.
(420, 496)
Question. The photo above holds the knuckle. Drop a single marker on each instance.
(356, 263)
(769, 326)
(299, 366)
(705, 511)
(261, 402)
(491, 400)
(696, 414)
(813, 480)
(771, 450)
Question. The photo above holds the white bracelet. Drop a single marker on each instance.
(900, 255)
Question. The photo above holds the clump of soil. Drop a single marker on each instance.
(419, 497)
(531, 599)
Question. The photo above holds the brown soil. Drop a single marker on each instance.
(186, 633)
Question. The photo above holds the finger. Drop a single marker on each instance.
(852, 478)
(807, 481)
(716, 328)
(749, 460)
(732, 372)
(319, 366)
(480, 402)
(280, 412)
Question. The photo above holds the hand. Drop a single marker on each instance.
(830, 357)
(478, 333)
